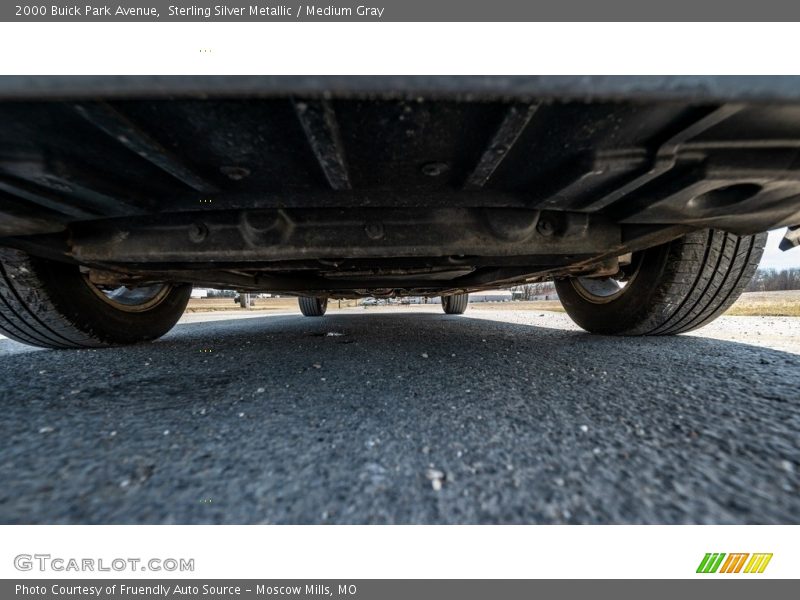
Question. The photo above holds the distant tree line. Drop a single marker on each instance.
(531, 290)
(221, 293)
(773, 280)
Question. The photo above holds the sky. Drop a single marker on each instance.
(774, 258)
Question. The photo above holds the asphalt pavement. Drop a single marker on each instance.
(406, 416)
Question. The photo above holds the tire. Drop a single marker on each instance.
(672, 288)
(52, 305)
(455, 304)
(311, 306)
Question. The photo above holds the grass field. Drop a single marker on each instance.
(767, 304)
(758, 304)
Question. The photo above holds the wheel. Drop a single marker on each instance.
(53, 305)
(669, 289)
(311, 306)
(455, 304)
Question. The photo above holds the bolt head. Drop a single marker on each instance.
(198, 232)
(374, 230)
(434, 169)
(545, 227)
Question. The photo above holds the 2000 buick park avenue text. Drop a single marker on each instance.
(206, 12)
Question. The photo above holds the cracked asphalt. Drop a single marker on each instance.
(406, 416)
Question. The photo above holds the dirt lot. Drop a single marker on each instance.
(553, 305)
(754, 304)
(273, 304)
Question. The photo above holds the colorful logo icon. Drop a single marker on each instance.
(733, 563)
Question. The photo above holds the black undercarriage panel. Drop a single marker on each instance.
(402, 187)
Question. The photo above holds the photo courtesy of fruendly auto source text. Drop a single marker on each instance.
(399, 299)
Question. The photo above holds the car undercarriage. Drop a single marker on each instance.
(388, 186)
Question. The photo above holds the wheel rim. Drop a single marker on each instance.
(601, 290)
(131, 299)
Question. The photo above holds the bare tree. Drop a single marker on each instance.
(773, 280)
(530, 290)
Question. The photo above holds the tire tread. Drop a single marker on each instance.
(455, 304)
(28, 314)
(310, 306)
(699, 286)
(684, 284)
(33, 310)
